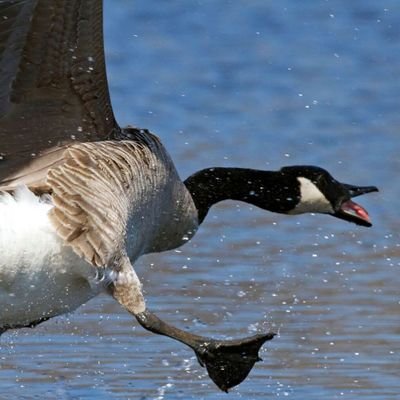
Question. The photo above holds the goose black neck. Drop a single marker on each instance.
(269, 190)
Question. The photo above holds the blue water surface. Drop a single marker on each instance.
(257, 84)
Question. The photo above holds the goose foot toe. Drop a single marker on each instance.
(228, 362)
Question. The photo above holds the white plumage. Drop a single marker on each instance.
(311, 199)
(39, 276)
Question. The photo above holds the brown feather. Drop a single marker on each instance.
(92, 194)
(53, 84)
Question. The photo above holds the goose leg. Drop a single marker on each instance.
(228, 362)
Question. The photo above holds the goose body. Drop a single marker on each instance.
(39, 264)
(82, 198)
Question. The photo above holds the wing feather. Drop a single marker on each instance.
(53, 84)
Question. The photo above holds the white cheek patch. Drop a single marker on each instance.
(312, 200)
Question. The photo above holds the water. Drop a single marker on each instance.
(259, 84)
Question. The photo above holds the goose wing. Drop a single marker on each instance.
(53, 84)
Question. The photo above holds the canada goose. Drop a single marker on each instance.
(82, 199)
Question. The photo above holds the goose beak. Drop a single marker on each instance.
(353, 212)
(355, 191)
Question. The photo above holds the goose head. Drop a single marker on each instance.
(318, 192)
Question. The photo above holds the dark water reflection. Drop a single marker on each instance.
(257, 84)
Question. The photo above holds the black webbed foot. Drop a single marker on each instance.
(228, 362)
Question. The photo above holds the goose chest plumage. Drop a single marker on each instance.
(82, 198)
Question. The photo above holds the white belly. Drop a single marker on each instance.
(39, 276)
